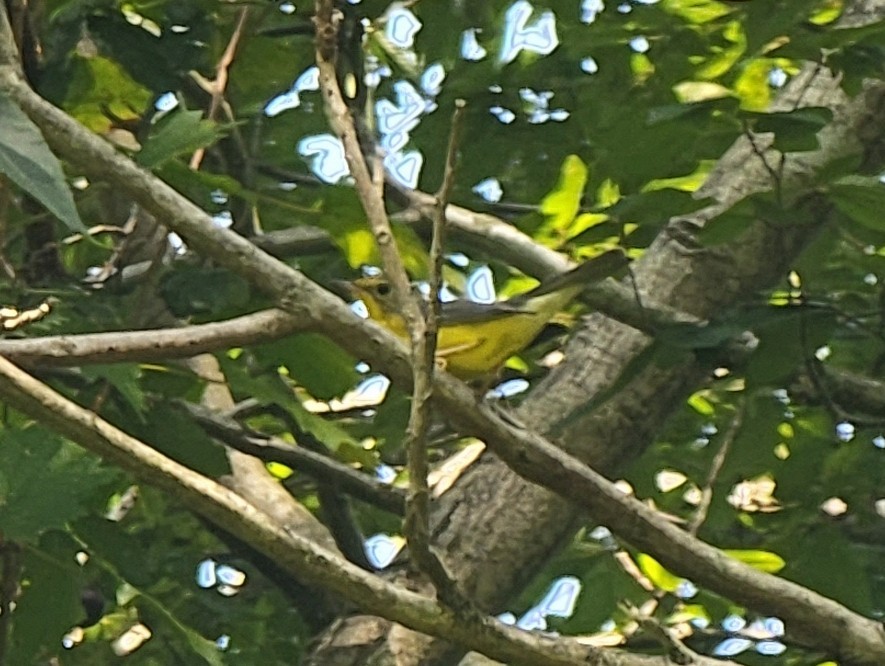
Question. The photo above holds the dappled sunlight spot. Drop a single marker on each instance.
(759, 634)
(134, 18)
(777, 77)
(509, 388)
(73, 638)
(755, 495)
(731, 647)
(307, 81)
(166, 102)
(205, 576)
(470, 47)
(402, 26)
(540, 37)
(131, 640)
(223, 220)
(692, 496)
(432, 79)
(639, 44)
(405, 168)
(375, 72)
(284, 102)
(559, 601)
(489, 190)
(845, 431)
(385, 473)
(538, 106)
(667, 480)
(590, 9)
(381, 549)
(834, 506)
(781, 395)
(506, 116)
(443, 476)
(223, 578)
(589, 65)
(402, 116)
(327, 153)
(480, 286)
(686, 589)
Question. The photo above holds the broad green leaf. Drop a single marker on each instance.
(46, 482)
(762, 560)
(793, 130)
(181, 133)
(562, 204)
(752, 85)
(323, 368)
(27, 161)
(171, 432)
(49, 604)
(862, 198)
(723, 60)
(125, 378)
(101, 93)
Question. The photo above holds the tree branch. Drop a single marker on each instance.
(150, 345)
(297, 555)
(821, 621)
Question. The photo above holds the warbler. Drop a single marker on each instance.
(475, 339)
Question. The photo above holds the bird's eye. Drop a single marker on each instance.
(383, 289)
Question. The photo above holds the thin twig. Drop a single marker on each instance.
(370, 188)
(321, 467)
(417, 524)
(219, 84)
(700, 514)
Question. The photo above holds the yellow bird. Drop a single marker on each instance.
(475, 339)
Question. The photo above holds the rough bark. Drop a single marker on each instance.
(496, 530)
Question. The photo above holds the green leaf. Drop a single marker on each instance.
(172, 433)
(562, 204)
(27, 161)
(728, 225)
(125, 378)
(45, 482)
(50, 601)
(794, 131)
(322, 367)
(657, 574)
(214, 292)
(762, 560)
(181, 133)
(862, 198)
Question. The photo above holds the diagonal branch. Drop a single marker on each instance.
(818, 620)
(297, 555)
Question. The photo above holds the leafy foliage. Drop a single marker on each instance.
(598, 143)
